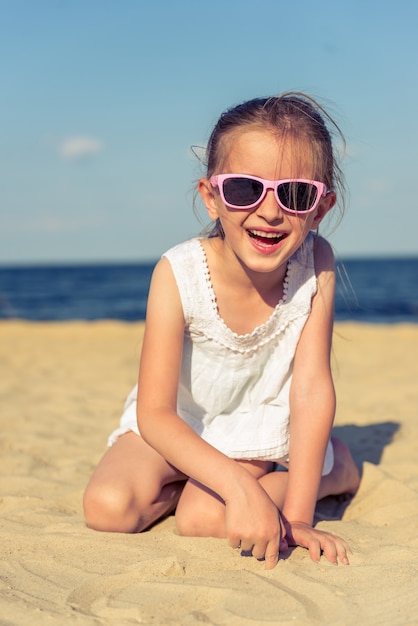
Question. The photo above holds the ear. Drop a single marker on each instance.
(210, 197)
(324, 206)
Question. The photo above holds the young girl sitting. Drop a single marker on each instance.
(235, 380)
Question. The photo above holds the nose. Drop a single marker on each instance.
(269, 209)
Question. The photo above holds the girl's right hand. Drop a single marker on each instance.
(254, 524)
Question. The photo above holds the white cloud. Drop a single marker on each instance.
(79, 147)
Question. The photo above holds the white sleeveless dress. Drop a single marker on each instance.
(234, 389)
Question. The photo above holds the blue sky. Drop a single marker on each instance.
(102, 99)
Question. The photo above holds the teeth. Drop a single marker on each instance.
(261, 233)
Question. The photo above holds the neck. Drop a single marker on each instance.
(226, 267)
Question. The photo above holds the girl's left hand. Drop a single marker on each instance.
(317, 542)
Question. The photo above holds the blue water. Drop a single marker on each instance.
(368, 290)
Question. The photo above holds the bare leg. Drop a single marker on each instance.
(201, 512)
(131, 488)
(343, 478)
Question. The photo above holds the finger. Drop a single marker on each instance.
(314, 548)
(234, 542)
(284, 546)
(282, 527)
(259, 551)
(271, 555)
(343, 558)
(246, 548)
(342, 550)
(330, 552)
(335, 550)
(271, 560)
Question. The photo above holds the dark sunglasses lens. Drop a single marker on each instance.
(242, 191)
(297, 196)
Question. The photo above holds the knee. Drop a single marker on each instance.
(196, 521)
(109, 510)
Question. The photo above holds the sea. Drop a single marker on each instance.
(370, 290)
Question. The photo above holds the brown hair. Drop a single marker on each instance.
(291, 115)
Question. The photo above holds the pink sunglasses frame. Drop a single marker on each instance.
(218, 180)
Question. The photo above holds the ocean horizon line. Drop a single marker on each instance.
(78, 263)
(371, 289)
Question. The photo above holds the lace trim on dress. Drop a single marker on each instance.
(213, 299)
(290, 307)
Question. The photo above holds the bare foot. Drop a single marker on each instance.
(344, 477)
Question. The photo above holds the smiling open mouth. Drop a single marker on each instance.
(267, 239)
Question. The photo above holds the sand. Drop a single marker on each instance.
(62, 387)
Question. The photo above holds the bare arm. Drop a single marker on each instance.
(312, 409)
(159, 374)
(312, 397)
(251, 516)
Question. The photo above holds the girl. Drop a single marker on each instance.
(235, 377)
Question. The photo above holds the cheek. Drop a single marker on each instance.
(225, 219)
(232, 221)
(301, 226)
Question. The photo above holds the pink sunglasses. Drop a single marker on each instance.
(296, 195)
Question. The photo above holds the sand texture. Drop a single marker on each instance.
(62, 387)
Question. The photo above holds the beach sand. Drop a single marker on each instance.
(62, 387)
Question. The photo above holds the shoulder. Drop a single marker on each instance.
(182, 275)
(315, 343)
(311, 262)
(324, 263)
(164, 319)
(315, 253)
(163, 292)
(323, 255)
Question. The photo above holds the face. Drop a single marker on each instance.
(264, 237)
